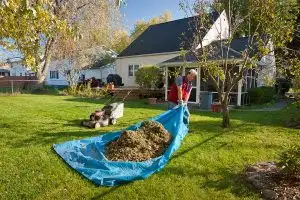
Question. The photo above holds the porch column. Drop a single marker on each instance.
(239, 97)
(198, 85)
(166, 82)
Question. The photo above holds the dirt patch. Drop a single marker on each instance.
(268, 179)
(150, 141)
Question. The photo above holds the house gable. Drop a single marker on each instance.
(218, 31)
(166, 37)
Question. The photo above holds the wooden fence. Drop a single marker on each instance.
(11, 84)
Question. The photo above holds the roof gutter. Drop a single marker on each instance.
(151, 54)
(193, 64)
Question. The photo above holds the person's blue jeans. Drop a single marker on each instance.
(186, 116)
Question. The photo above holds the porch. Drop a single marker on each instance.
(203, 93)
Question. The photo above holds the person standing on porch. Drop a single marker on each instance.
(181, 89)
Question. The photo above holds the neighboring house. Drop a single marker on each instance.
(15, 67)
(161, 45)
(18, 69)
(99, 70)
(56, 78)
(4, 70)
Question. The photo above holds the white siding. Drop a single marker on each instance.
(17, 69)
(53, 66)
(124, 62)
(267, 68)
(101, 73)
(219, 30)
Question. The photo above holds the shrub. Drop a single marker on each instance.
(43, 90)
(84, 90)
(282, 86)
(294, 118)
(289, 161)
(148, 77)
(261, 95)
(296, 88)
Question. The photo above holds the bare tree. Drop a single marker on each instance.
(38, 28)
(226, 67)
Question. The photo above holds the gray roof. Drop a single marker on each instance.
(237, 47)
(4, 70)
(164, 37)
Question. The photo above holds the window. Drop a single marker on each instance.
(67, 72)
(82, 77)
(54, 75)
(250, 79)
(20, 74)
(132, 70)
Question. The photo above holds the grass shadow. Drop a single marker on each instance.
(50, 138)
(274, 118)
(128, 104)
(219, 179)
(75, 123)
(229, 181)
(195, 146)
(109, 191)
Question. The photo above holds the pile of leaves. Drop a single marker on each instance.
(149, 141)
(279, 180)
(271, 182)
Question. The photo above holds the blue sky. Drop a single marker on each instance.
(146, 9)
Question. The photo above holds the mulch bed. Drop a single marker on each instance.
(268, 179)
(149, 141)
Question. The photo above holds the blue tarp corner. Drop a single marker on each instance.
(87, 156)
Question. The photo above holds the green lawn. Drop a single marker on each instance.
(207, 166)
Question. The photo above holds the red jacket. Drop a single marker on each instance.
(186, 89)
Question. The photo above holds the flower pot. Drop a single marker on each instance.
(216, 107)
(152, 100)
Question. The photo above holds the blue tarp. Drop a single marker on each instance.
(87, 156)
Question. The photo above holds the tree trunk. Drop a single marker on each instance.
(41, 73)
(43, 64)
(41, 77)
(226, 118)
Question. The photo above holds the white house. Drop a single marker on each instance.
(161, 45)
(11, 64)
(15, 67)
(55, 77)
(162, 42)
(99, 70)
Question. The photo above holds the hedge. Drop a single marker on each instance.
(261, 95)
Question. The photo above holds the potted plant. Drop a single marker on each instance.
(147, 78)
